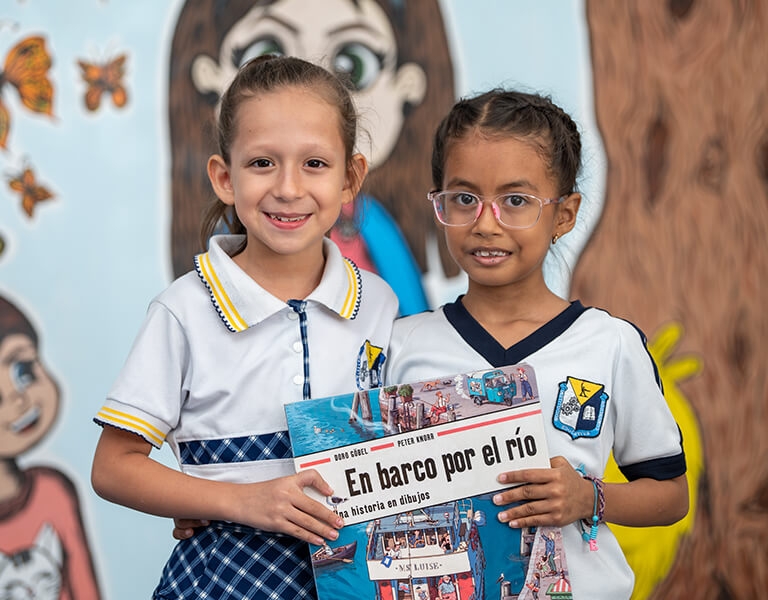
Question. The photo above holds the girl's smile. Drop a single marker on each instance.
(287, 221)
(490, 256)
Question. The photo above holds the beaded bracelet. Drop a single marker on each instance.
(598, 511)
(598, 483)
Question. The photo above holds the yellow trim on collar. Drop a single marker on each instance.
(225, 304)
(350, 302)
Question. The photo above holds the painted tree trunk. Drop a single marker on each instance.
(681, 95)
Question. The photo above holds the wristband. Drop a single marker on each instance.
(598, 511)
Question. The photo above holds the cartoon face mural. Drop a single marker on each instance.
(39, 508)
(355, 40)
(395, 56)
(29, 397)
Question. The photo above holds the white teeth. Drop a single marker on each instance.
(26, 419)
(286, 219)
(489, 253)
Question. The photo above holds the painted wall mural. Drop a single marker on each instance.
(684, 125)
(44, 551)
(105, 129)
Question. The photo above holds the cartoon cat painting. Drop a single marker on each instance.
(33, 573)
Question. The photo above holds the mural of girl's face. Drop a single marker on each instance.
(356, 40)
(29, 397)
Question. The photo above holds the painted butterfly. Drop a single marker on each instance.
(102, 78)
(26, 68)
(31, 193)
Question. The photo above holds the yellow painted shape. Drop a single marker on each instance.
(651, 551)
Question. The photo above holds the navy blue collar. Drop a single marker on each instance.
(486, 345)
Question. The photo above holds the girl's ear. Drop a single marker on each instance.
(357, 169)
(566, 214)
(218, 173)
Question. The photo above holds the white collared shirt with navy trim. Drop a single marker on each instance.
(578, 345)
(218, 356)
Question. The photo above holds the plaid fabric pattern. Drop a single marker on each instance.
(230, 562)
(300, 306)
(233, 450)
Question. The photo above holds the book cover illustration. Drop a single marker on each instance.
(413, 468)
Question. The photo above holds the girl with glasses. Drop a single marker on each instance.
(504, 168)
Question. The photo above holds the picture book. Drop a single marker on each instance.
(414, 469)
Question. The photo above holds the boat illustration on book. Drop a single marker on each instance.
(326, 556)
(417, 551)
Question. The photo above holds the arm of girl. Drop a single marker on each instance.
(560, 495)
(123, 472)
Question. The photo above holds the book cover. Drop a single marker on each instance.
(413, 468)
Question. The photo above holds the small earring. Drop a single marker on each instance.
(555, 237)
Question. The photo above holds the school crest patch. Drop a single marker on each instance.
(580, 407)
(370, 364)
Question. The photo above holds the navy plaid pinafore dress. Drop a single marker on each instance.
(227, 561)
(234, 562)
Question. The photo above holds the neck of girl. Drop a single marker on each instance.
(285, 276)
(511, 312)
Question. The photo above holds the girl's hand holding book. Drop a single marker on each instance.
(281, 505)
(556, 496)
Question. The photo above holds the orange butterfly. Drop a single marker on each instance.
(31, 193)
(104, 78)
(26, 68)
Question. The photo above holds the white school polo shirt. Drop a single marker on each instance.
(218, 356)
(582, 351)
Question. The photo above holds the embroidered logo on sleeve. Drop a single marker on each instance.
(580, 407)
(370, 363)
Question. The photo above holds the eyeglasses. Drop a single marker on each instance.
(515, 210)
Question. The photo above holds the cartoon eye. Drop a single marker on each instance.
(23, 374)
(358, 62)
(260, 47)
(515, 201)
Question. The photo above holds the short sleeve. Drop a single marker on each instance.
(647, 442)
(147, 396)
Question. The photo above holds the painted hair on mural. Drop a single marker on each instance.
(500, 113)
(266, 74)
(13, 321)
(398, 182)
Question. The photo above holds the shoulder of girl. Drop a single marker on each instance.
(428, 320)
(185, 292)
(619, 326)
(373, 286)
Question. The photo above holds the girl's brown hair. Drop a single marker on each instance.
(499, 113)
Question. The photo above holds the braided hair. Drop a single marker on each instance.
(499, 113)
